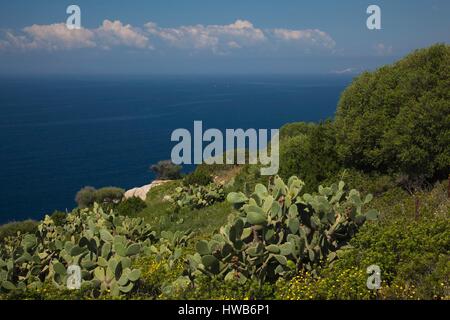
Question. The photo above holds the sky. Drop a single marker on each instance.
(214, 37)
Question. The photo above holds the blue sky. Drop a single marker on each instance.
(210, 36)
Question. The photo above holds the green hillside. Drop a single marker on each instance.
(370, 187)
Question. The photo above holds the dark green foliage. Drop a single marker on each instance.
(166, 170)
(311, 156)
(12, 228)
(397, 119)
(87, 196)
(58, 217)
(409, 253)
(200, 177)
(206, 288)
(374, 183)
(130, 206)
(248, 178)
(296, 129)
(109, 195)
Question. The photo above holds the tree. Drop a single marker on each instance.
(310, 156)
(166, 170)
(397, 119)
(85, 197)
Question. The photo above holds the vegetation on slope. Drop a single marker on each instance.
(273, 239)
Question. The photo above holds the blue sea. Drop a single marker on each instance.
(59, 134)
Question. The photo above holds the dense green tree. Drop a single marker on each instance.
(311, 155)
(295, 129)
(397, 119)
(166, 170)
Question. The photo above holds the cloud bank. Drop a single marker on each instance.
(214, 39)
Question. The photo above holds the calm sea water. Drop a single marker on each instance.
(59, 134)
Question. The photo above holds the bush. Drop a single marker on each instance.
(296, 129)
(199, 177)
(166, 170)
(109, 195)
(58, 217)
(343, 284)
(214, 289)
(311, 156)
(156, 274)
(87, 196)
(12, 228)
(396, 119)
(374, 183)
(131, 206)
(247, 178)
(411, 254)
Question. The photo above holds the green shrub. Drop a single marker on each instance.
(411, 254)
(247, 178)
(413, 257)
(206, 288)
(374, 183)
(312, 156)
(156, 275)
(107, 196)
(199, 177)
(340, 284)
(48, 291)
(12, 228)
(166, 170)
(58, 217)
(396, 118)
(131, 206)
(296, 129)
(86, 197)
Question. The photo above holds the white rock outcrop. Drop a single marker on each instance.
(141, 192)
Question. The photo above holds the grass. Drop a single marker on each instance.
(162, 215)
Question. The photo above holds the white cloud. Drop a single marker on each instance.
(51, 37)
(218, 39)
(308, 37)
(58, 36)
(117, 34)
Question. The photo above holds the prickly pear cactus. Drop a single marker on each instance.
(196, 197)
(101, 244)
(280, 231)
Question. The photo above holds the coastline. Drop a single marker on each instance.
(141, 192)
